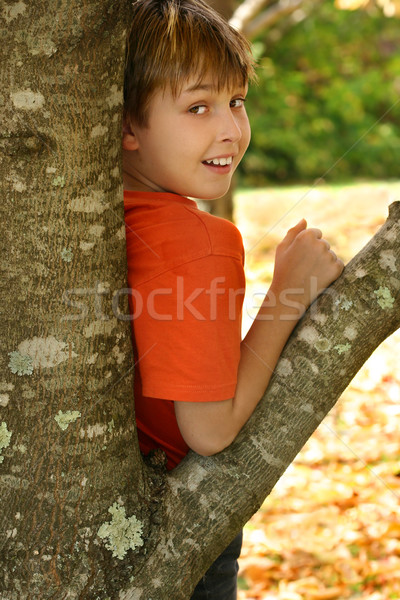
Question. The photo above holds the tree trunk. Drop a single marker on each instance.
(69, 449)
(82, 516)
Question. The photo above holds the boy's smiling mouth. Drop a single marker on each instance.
(219, 162)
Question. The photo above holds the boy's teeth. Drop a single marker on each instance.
(220, 161)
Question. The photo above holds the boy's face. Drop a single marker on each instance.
(192, 144)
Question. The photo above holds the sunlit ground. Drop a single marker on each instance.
(331, 527)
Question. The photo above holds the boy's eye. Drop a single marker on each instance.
(198, 110)
(237, 102)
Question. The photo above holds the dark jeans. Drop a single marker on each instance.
(220, 581)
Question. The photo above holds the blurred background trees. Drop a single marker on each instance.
(329, 82)
(327, 104)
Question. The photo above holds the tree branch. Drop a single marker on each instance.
(246, 11)
(246, 20)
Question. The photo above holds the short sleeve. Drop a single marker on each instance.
(187, 329)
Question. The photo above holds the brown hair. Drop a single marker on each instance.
(173, 40)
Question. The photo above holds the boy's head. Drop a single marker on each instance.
(172, 41)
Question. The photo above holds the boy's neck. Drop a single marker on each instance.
(132, 184)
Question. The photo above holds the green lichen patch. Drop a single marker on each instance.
(67, 254)
(342, 348)
(65, 418)
(121, 533)
(59, 181)
(21, 364)
(384, 298)
(5, 437)
(343, 303)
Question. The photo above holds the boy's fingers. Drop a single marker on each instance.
(310, 233)
(316, 232)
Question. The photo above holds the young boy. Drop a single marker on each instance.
(185, 132)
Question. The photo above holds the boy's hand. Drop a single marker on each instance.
(304, 266)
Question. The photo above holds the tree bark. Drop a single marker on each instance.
(83, 517)
(67, 437)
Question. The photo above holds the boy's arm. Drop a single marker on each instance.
(304, 267)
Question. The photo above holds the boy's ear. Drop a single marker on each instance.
(129, 139)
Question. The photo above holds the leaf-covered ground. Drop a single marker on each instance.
(331, 527)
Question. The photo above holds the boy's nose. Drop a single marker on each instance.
(230, 130)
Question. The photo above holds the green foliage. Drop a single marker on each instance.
(325, 105)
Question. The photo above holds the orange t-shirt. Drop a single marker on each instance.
(185, 271)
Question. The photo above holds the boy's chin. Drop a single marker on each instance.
(212, 197)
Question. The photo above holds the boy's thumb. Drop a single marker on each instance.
(301, 225)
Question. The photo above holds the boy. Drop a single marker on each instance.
(185, 132)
